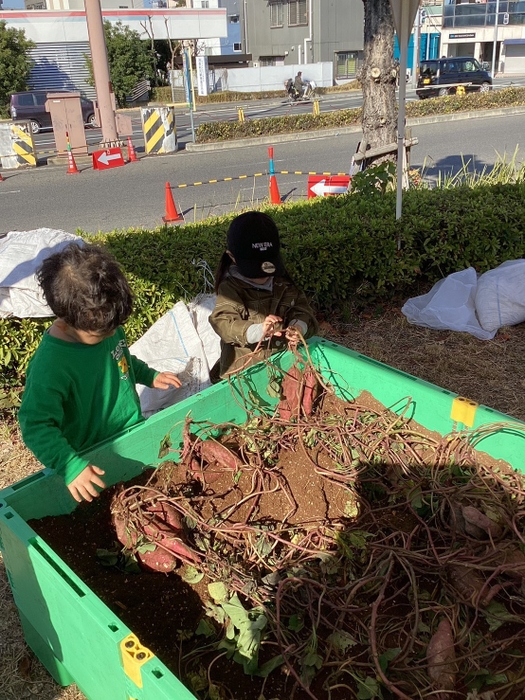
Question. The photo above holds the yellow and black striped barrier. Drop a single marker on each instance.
(158, 125)
(245, 177)
(23, 144)
(16, 145)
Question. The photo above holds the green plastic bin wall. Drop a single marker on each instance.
(73, 633)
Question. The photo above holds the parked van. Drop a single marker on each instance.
(441, 76)
(30, 106)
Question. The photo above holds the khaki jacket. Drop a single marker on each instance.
(240, 305)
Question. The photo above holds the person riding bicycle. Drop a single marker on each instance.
(300, 84)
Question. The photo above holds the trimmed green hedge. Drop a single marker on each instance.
(338, 249)
(225, 130)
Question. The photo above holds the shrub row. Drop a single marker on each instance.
(339, 249)
(222, 131)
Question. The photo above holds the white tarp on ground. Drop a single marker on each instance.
(476, 305)
(21, 254)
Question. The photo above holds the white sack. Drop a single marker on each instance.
(500, 296)
(21, 254)
(200, 309)
(449, 306)
(173, 344)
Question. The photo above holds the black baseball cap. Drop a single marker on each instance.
(253, 240)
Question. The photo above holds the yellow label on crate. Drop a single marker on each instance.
(463, 411)
(134, 656)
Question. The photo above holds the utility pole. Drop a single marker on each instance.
(495, 46)
(415, 56)
(99, 58)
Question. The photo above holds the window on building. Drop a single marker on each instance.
(346, 64)
(237, 46)
(297, 12)
(276, 13)
(205, 4)
(234, 19)
(271, 60)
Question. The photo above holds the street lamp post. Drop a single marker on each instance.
(495, 46)
(99, 59)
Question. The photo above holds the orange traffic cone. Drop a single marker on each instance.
(275, 197)
(172, 214)
(132, 156)
(71, 165)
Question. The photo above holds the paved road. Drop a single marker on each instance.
(135, 194)
(45, 143)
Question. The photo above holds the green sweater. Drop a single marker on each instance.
(77, 395)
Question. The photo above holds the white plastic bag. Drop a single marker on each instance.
(21, 254)
(500, 296)
(176, 343)
(449, 306)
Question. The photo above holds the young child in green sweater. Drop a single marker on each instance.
(80, 386)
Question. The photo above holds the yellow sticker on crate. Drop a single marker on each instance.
(134, 656)
(463, 411)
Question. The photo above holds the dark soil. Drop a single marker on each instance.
(163, 610)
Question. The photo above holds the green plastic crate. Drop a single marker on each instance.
(73, 633)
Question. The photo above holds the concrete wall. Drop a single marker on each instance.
(270, 77)
(264, 78)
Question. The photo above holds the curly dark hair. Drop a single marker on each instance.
(85, 287)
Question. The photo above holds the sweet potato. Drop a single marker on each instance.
(479, 525)
(512, 561)
(457, 521)
(309, 391)
(470, 585)
(162, 528)
(441, 657)
(211, 458)
(298, 392)
(290, 396)
(215, 453)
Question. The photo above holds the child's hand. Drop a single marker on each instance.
(82, 488)
(269, 325)
(164, 380)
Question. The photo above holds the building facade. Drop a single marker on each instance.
(61, 38)
(287, 32)
(474, 29)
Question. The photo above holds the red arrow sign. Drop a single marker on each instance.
(110, 158)
(321, 185)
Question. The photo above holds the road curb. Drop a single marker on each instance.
(324, 133)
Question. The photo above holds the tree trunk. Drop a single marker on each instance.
(378, 78)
